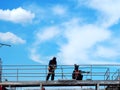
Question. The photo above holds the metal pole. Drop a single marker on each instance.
(40, 86)
(0, 70)
(17, 74)
(91, 71)
(46, 71)
(62, 71)
(1, 44)
(118, 74)
(97, 86)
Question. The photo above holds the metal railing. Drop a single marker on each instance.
(107, 74)
(116, 75)
(39, 72)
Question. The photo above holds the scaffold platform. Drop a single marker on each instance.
(96, 83)
(107, 76)
(61, 83)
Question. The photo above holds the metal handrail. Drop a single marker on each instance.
(18, 72)
(116, 75)
(107, 74)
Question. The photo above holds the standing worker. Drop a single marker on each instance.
(51, 68)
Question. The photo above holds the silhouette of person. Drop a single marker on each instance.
(51, 68)
(77, 74)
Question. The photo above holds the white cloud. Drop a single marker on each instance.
(80, 40)
(106, 52)
(18, 15)
(12, 38)
(48, 14)
(41, 36)
(83, 41)
(47, 34)
(59, 10)
(108, 11)
(35, 56)
(109, 50)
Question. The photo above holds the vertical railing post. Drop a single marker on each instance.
(97, 86)
(107, 74)
(91, 71)
(40, 86)
(17, 74)
(46, 69)
(0, 70)
(118, 74)
(62, 71)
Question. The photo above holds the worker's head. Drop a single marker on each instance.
(54, 59)
(76, 66)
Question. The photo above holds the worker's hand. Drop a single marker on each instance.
(88, 72)
(48, 68)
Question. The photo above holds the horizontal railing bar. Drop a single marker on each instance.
(102, 70)
(67, 65)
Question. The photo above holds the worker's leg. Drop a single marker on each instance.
(47, 78)
(53, 75)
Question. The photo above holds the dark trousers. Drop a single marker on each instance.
(80, 77)
(52, 74)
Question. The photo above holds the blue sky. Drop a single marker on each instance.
(75, 31)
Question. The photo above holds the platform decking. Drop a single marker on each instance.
(61, 83)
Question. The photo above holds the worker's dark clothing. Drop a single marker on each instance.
(77, 75)
(51, 69)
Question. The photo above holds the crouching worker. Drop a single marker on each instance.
(77, 74)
